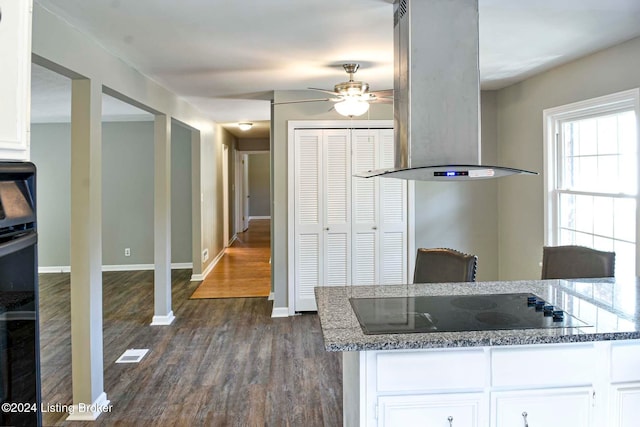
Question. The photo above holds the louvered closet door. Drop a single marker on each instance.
(379, 226)
(365, 236)
(393, 217)
(337, 214)
(309, 212)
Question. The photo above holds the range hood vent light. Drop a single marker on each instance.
(436, 85)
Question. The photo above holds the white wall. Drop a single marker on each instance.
(520, 142)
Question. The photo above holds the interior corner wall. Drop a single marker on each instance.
(462, 215)
(520, 145)
(279, 153)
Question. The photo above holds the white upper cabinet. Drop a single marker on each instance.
(15, 78)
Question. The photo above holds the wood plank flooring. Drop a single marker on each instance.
(244, 270)
(223, 362)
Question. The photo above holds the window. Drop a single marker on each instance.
(591, 174)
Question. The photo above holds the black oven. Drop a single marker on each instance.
(19, 335)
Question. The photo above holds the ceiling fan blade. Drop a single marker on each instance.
(383, 93)
(302, 100)
(324, 90)
(384, 100)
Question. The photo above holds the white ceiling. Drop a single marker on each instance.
(226, 56)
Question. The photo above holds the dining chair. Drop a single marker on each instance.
(576, 262)
(440, 265)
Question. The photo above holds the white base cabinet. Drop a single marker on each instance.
(625, 404)
(556, 407)
(592, 384)
(448, 410)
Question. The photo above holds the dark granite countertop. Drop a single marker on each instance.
(612, 306)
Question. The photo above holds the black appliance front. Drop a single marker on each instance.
(19, 332)
(458, 313)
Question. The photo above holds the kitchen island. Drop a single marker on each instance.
(584, 375)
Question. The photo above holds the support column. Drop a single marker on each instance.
(89, 398)
(163, 315)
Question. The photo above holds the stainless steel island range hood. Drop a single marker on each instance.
(437, 93)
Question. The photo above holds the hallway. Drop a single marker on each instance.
(244, 270)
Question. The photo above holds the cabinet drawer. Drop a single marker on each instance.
(441, 410)
(625, 362)
(431, 370)
(558, 407)
(541, 365)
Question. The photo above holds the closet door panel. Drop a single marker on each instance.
(337, 219)
(309, 234)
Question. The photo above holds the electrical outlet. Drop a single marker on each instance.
(205, 255)
(127, 251)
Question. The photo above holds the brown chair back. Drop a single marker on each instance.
(576, 262)
(441, 265)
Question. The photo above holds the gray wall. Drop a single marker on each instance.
(181, 223)
(51, 153)
(260, 195)
(253, 144)
(520, 132)
(462, 215)
(127, 218)
(127, 192)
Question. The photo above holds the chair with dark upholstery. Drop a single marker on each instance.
(576, 262)
(441, 265)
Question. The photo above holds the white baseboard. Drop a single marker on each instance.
(163, 320)
(205, 273)
(114, 267)
(271, 296)
(280, 312)
(259, 217)
(233, 239)
(90, 412)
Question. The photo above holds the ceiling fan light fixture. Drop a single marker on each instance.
(351, 107)
(245, 126)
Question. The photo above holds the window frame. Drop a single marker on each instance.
(553, 118)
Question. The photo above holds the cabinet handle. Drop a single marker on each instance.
(524, 416)
(374, 228)
(327, 229)
(450, 419)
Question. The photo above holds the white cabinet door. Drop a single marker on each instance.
(393, 217)
(624, 405)
(347, 230)
(336, 175)
(322, 212)
(309, 212)
(366, 237)
(442, 410)
(558, 407)
(15, 84)
(379, 212)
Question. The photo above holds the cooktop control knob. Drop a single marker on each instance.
(540, 305)
(548, 310)
(558, 315)
(531, 301)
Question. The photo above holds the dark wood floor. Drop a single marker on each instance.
(223, 362)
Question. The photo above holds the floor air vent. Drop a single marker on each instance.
(133, 355)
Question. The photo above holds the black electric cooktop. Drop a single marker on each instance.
(457, 313)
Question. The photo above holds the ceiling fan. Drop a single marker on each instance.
(352, 98)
